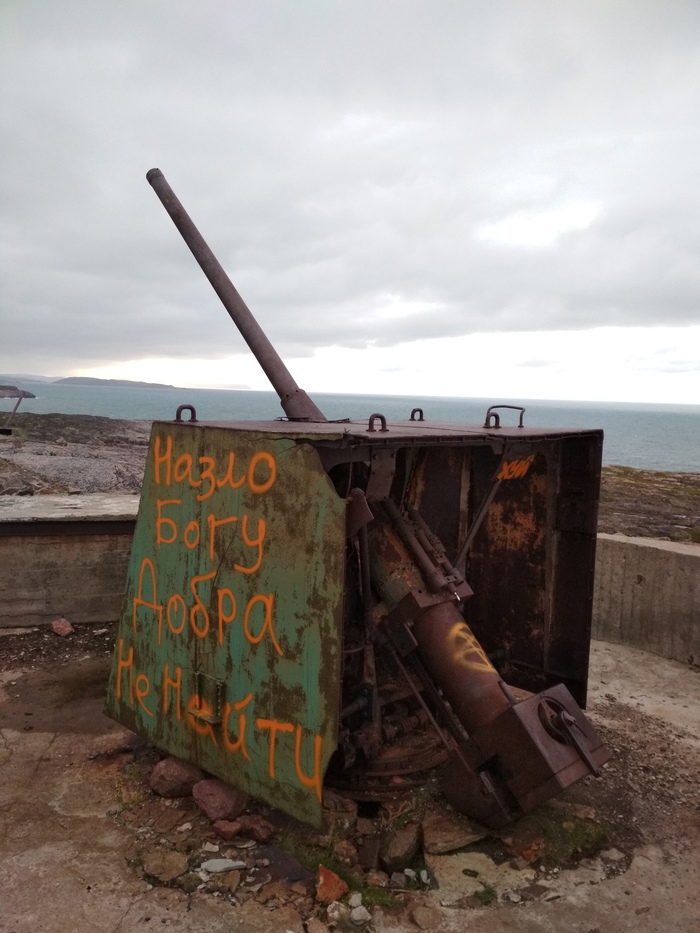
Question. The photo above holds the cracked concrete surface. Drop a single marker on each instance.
(63, 867)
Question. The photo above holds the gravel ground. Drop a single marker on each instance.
(73, 454)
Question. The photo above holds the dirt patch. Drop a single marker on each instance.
(68, 699)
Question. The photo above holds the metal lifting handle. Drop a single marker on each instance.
(491, 413)
(296, 403)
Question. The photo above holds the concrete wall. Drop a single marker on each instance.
(647, 595)
(81, 577)
(68, 556)
(64, 556)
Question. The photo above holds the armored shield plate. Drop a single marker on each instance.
(228, 653)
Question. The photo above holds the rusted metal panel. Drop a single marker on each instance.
(438, 486)
(576, 511)
(532, 563)
(229, 645)
(509, 559)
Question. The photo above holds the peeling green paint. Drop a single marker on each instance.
(229, 645)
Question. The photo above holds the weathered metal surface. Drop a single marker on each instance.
(229, 646)
(530, 752)
(457, 662)
(531, 571)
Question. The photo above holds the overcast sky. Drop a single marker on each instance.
(442, 198)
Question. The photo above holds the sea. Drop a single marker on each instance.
(644, 436)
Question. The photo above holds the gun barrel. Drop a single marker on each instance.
(296, 403)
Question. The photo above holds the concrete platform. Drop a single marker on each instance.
(88, 507)
(63, 864)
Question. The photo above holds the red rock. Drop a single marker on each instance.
(173, 777)
(329, 887)
(219, 801)
(61, 627)
(257, 827)
(227, 829)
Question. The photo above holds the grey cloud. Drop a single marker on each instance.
(681, 366)
(535, 364)
(335, 155)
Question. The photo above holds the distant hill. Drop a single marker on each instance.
(112, 383)
(24, 377)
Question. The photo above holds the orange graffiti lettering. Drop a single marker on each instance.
(228, 479)
(213, 524)
(515, 469)
(176, 685)
(128, 665)
(176, 600)
(208, 465)
(139, 600)
(191, 542)
(199, 608)
(224, 617)
(267, 602)
(183, 470)
(162, 520)
(198, 709)
(239, 744)
(313, 780)
(274, 728)
(261, 457)
(142, 688)
(260, 475)
(162, 458)
(252, 542)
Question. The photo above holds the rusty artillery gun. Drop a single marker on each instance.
(354, 603)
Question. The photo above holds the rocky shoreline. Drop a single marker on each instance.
(59, 454)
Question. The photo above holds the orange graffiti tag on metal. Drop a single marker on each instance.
(515, 469)
(466, 650)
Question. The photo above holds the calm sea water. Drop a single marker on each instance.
(654, 437)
